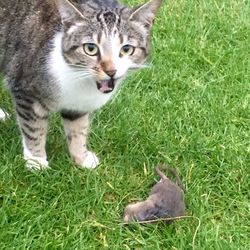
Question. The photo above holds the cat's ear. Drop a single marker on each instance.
(68, 12)
(146, 13)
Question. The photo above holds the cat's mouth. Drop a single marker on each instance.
(106, 86)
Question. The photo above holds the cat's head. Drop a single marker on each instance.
(105, 39)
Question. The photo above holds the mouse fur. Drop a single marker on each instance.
(165, 200)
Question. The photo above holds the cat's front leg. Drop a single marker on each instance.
(33, 120)
(76, 128)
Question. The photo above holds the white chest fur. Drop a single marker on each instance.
(76, 92)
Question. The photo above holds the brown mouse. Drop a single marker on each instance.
(166, 200)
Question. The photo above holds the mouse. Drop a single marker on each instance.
(166, 200)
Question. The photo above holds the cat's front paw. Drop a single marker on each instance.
(3, 115)
(36, 163)
(90, 161)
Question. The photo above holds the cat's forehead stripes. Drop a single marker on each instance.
(108, 20)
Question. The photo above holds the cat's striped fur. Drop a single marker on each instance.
(47, 57)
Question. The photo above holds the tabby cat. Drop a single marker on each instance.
(68, 56)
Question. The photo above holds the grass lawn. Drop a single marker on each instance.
(190, 110)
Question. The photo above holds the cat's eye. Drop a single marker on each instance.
(127, 50)
(90, 49)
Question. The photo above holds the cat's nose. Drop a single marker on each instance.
(111, 73)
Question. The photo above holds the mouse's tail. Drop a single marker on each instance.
(159, 172)
(173, 171)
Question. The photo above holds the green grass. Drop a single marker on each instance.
(190, 110)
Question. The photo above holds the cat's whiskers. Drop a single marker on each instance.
(78, 78)
(82, 66)
(94, 73)
(139, 66)
(80, 71)
(76, 73)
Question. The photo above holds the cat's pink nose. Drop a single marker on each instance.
(111, 73)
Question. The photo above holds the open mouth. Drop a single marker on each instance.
(106, 86)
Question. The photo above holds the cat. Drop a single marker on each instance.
(68, 56)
